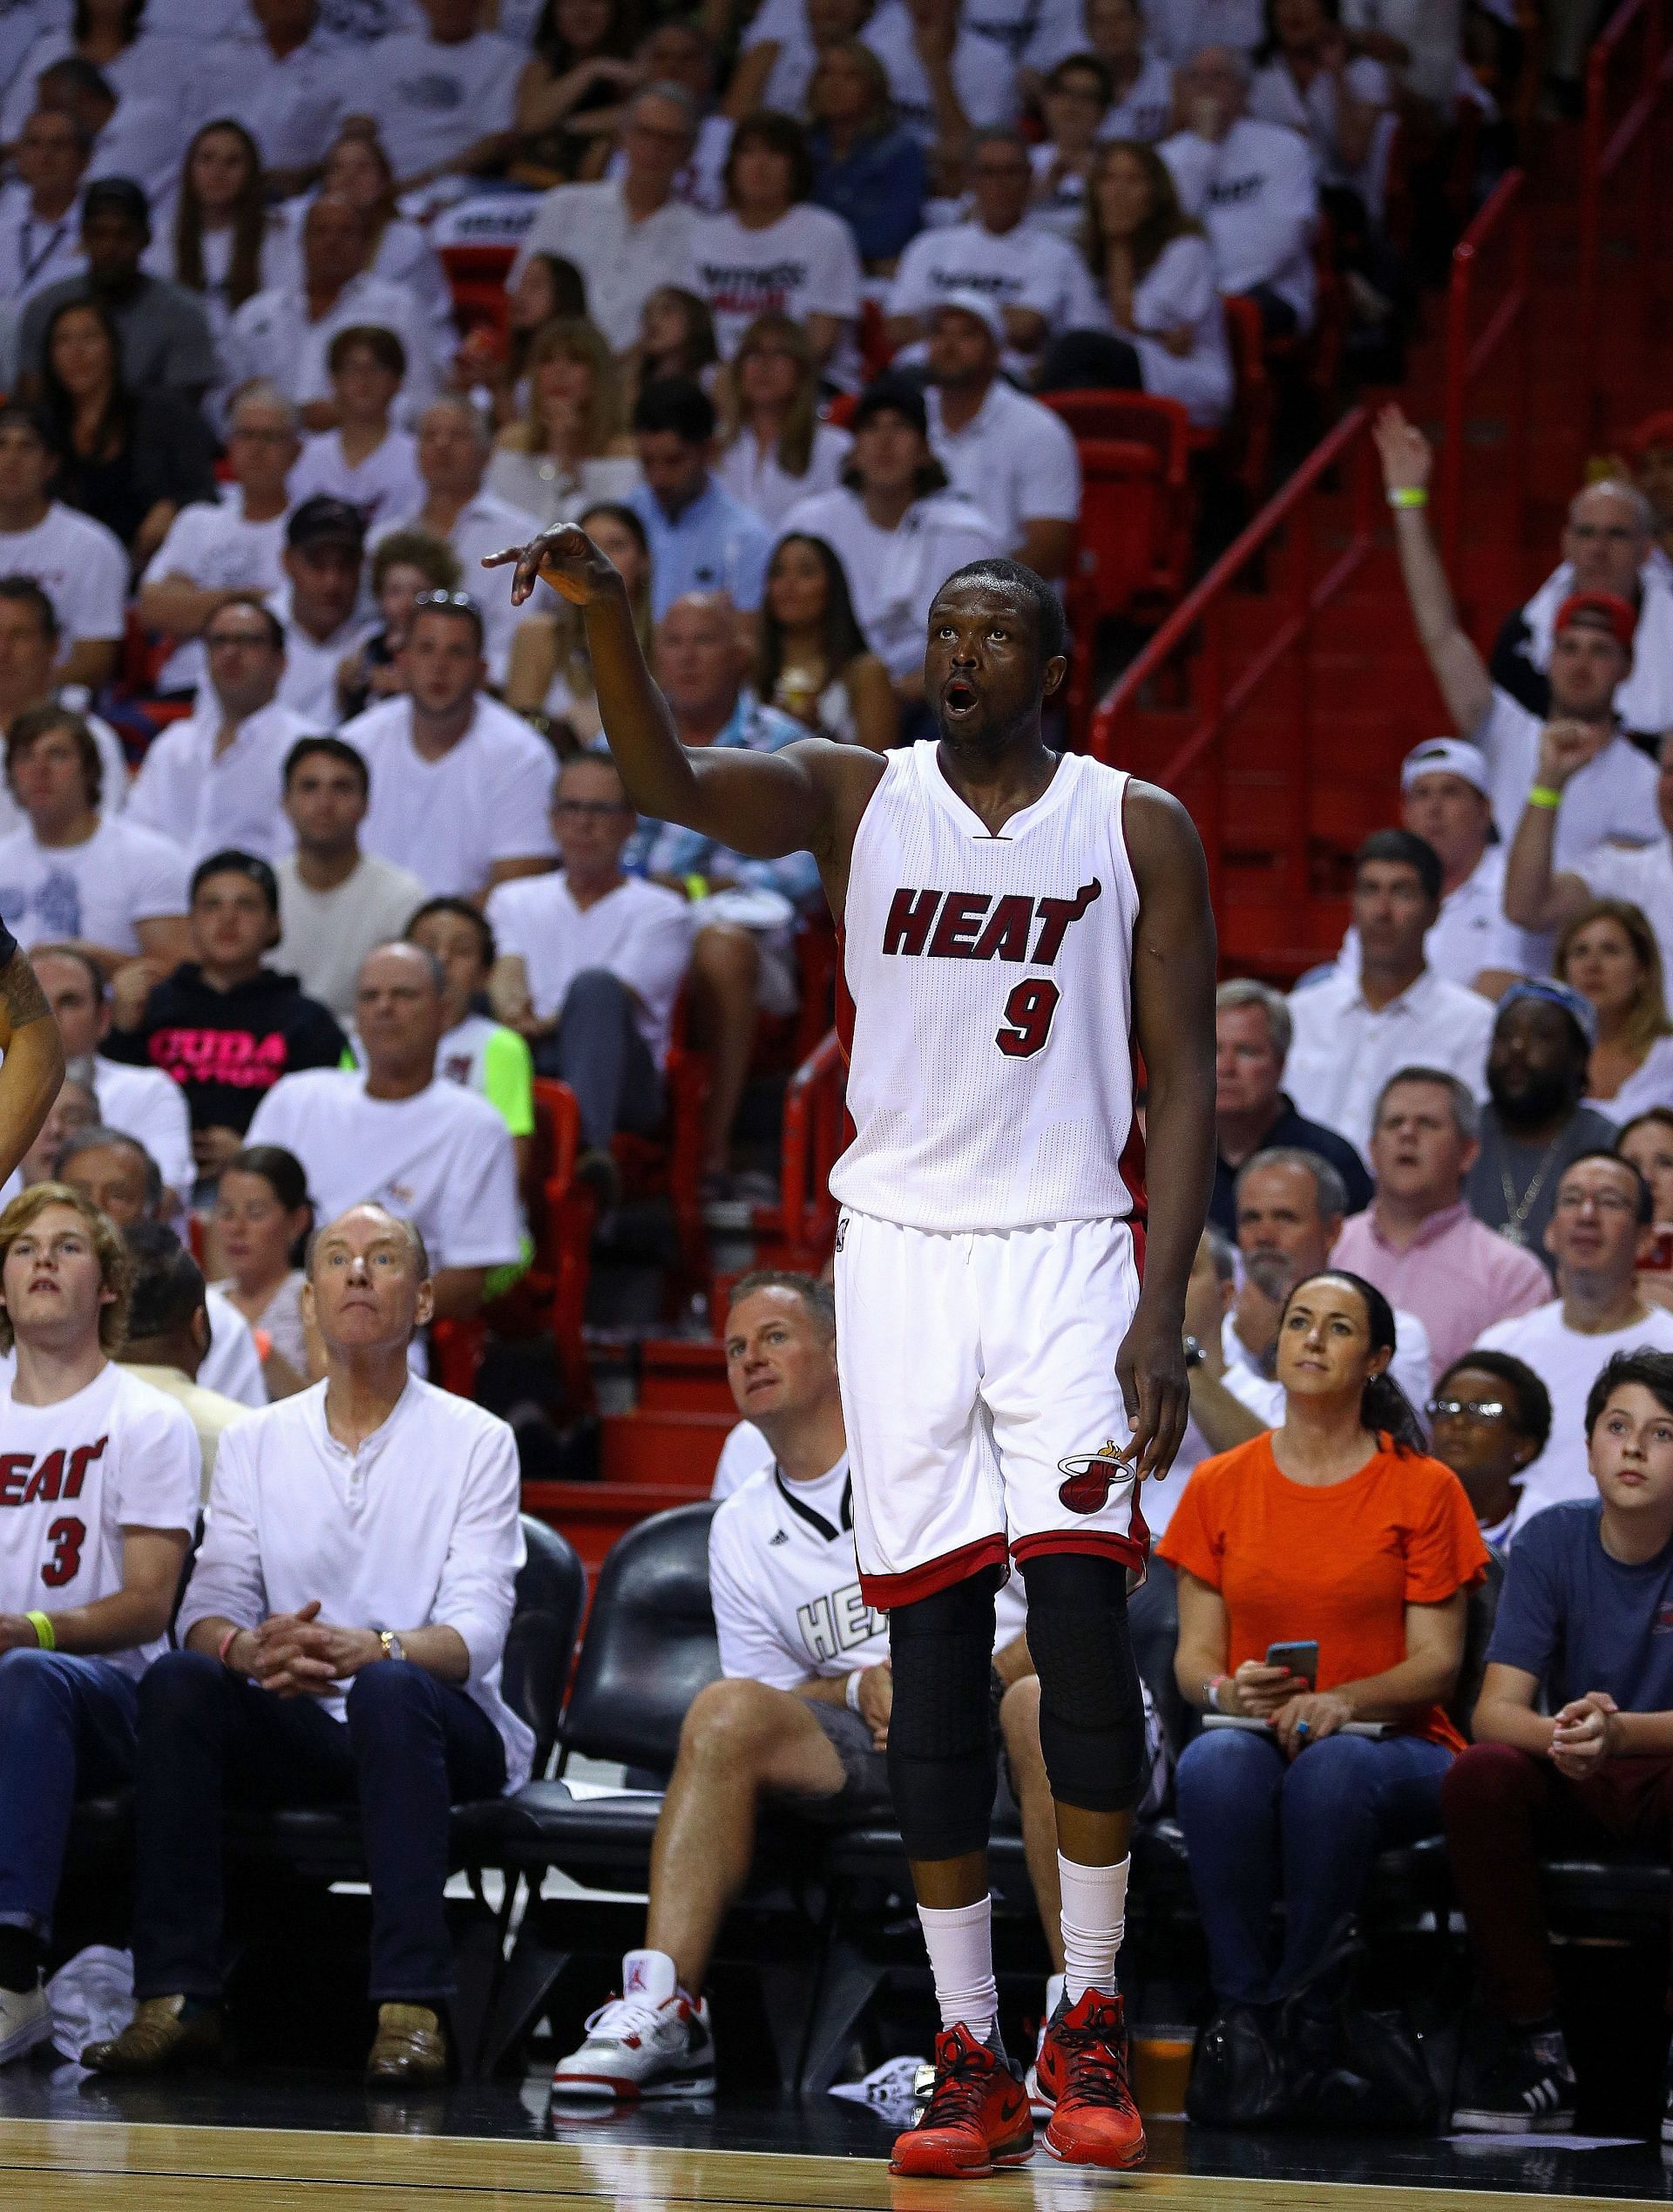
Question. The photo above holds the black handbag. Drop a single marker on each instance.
(1237, 2076)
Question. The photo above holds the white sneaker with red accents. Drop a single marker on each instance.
(1039, 2103)
(651, 2041)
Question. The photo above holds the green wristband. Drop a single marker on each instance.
(45, 1635)
(1543, 795)
(1409, 495)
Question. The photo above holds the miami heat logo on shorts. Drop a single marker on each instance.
(1092, 1477)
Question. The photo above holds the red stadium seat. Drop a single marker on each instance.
(476, 277)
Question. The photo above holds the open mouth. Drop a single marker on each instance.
(959, 697)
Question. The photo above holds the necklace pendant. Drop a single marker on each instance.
(1512, 1233)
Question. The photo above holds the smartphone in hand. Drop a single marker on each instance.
(1299, 1659)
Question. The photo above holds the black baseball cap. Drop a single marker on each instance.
(323, 520)
(121, 194)
(896, 394)
(232, 861)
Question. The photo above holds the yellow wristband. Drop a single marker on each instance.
(696, 887)
(1408, 495)
(1542, 795)
(45, 1635)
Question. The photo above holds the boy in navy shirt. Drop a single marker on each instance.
(1586, 1613)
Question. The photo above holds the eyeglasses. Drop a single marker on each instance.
(589, 809)
(1466, 1409)
(1605, 1202)
(217, 641)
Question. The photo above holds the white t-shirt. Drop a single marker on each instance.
(432, 100)
(804, 263)
(1186, 26)
(1014, 460)
(232, 1365)
(79, 564)
(149, 1106)
(309, 687)
(984, 74)
(212, 545)
(1567, 1363)
(623, 262)
(35, 250)
(756, 479)
(1253, 194)
(1343, 1052)
(1178, 291)
(387, 482)
(1024, 268)
(442, 1159)
(328, 934)
(417, 1528)
(785, 1584)
(745, 1452)
(641, 931)
(449, 820)
(1612, 798)
(291, 107)
(272, 337)
(893, 575)
(1650, 1084)
(117, 1455)
(97, 891)
(1471, 933)
(484, 525)
(206, 802)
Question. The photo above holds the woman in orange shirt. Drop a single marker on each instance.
(1335, 1528)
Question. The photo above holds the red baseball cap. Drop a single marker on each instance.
(1603, 608)
(1653, 433)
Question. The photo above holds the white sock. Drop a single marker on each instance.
(960, 1943)
(1094, 1919)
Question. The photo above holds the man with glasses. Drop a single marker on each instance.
(461, 786)
(1039, 283)
(217, 550)
(1597, 1227)
(40, 238)
(1489, 1420)
(591, 961)
(1417, 1240)
(628, 236)
(217, 779)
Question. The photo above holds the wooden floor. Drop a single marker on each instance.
(118, 2167)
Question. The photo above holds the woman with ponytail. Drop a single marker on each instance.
(1338, 1531)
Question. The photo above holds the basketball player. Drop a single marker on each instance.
(98, 1478)
(31, 1055)
(1015, 924)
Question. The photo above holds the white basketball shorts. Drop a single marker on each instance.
(980, 1393)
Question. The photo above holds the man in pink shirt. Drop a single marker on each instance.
(1418, 1241)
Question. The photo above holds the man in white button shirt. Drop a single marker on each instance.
(591, 961)
(216, 779)
(1353, 1032)
(79, 564)
(140, 1102)
(461, 786)
(40, 235)
(1614, 792)
(628, 236)
(439, 1155)
(342, 1639)
(1446, 799)
(1597, 1228)
(335, 902)
(1250, 186)
(454, 444)
(1290, 1214)
(1039, 283)
(223, 549)
(1009, 455)
(443, 93)
(74, 873)
(99, 1477)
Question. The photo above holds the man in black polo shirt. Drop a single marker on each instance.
(1252, 1113)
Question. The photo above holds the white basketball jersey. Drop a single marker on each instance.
(989, 1023)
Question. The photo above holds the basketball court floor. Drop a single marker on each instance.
(293, 2144)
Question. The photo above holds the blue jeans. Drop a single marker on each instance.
(1260, 1828)
(66, 1731)
(598, 1051)
(412, 1746)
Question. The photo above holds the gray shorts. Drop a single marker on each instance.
(864, 1793)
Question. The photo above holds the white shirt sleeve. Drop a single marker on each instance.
(834, 274)
(179, 553)
(750, 1650)
(477, 1590)
(158, 878)
(161, 1472)
(745, 1452)
(226, 1580)
(519, 809)
(153, 802)
(1052, 491)
(911, 291)
(156, 1114)
(483, 1222)
(98, 608)
(232, 1364)
(1178, 287)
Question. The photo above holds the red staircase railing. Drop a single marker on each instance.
(1503, 223)
(1628, 75)
(1190, 650)
(812, 1138)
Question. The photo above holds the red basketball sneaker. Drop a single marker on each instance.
(1082, 2072)
(977, 2117)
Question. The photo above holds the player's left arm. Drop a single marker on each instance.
(137, 1614)
(1174, 970)
(32, 1058)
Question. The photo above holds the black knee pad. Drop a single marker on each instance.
(943, 1760)
(1091, 1707)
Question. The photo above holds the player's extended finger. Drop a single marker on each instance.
(1169, 1432)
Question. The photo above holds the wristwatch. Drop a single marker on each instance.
(393, 1647)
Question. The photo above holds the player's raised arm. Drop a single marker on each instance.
(766, 805)
(1174, 960)
(31, 1055)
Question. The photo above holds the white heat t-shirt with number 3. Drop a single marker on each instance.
(73, 1475)
(991, 1060)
